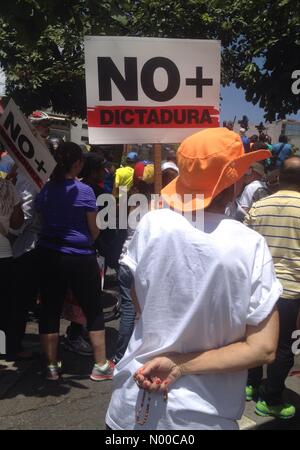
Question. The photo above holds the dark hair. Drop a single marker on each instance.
(283, 138)
(171, 156)
(218, 200)
(259, 146)
(167, 176)
(268, 139)
(97, 149)
(92, 162)
(228, 124)
(103, 150)
(262, 137)
(253, 138)
(289, 174)
(144, 188)
(66, 155)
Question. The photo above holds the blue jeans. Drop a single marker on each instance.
(125, 279)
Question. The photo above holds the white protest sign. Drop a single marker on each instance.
(28, 151)
(150, 90)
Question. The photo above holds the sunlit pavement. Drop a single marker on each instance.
(30, 402)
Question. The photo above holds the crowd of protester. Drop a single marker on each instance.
(171, 278)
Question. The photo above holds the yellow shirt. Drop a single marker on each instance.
(277, 218)
(124, 177)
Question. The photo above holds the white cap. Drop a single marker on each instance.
(169, 165)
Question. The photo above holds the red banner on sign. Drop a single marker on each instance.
(153, 117)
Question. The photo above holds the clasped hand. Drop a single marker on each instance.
(158, 374)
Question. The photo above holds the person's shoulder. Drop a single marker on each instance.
(241, 235)
(84, 188)
(128, 170)
(259, 204)
(164, 220)
(160, 214)
(46, 188)
(279, 197)
(267, 204)
(257, 184)
(253, 185)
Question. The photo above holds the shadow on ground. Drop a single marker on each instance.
(76, 368)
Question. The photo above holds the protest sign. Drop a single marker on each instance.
(27, 150)
(150, 90)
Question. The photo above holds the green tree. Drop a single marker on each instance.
(260, 42)
(41, 49)
(41, 45)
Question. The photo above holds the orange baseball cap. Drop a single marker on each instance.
(209, 162)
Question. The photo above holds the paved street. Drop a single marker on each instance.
(76, 403)
(28, 401)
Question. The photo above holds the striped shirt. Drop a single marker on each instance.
(277, 218)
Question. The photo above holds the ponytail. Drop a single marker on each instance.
(66, 155)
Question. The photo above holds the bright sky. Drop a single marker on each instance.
(234, 103)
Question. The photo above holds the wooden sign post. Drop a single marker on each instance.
(125, 152)
(157, 168)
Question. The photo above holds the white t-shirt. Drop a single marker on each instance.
(11, 198)
(27, 235)
(239, 208)
(197, 291)
(246, 199)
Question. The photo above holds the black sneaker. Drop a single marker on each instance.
(78, 345)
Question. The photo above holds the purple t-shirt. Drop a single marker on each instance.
(63, 206)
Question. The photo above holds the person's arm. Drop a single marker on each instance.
(246, 210)
(245, 199)
(91, 220)
(115, 191)
(17, 217)
(258, 347)
(248, 220)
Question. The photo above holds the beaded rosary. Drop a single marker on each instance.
(142, 420)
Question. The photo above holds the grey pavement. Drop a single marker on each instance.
(28, 401)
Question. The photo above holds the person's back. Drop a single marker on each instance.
(63, 206)
(206, 299)
(195, 294)
(8, 203)
(124, 175)
(65, 251)
(277, 217)
(11, 216)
